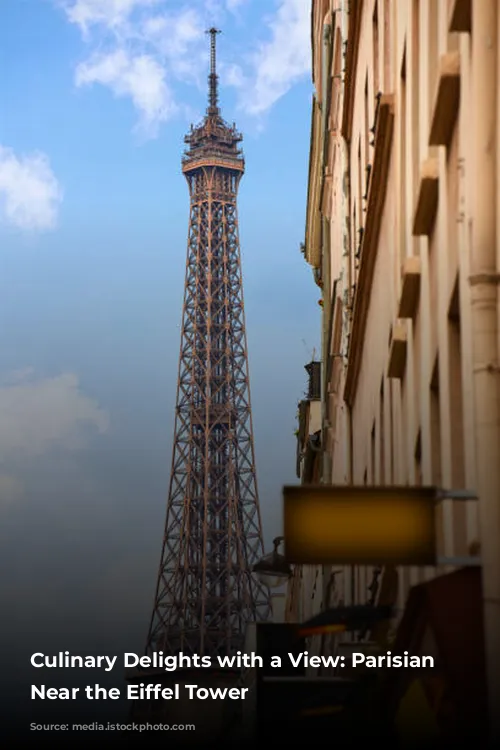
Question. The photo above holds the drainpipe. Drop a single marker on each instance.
(345, 230)
(349, 574)
(326, 61)
(325, 345)
(484, 266)
(347, 296)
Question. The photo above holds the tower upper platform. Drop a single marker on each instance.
(213, 143)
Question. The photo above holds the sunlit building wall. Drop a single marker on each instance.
(402, 237)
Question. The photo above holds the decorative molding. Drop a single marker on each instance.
(369, 243)
(447, 100)
(460, 17)
(351, 61)
(410, 288)
(397, 353)
(313, 215)
(427, 200)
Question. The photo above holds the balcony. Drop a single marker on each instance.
(309, 424)
(313, 369)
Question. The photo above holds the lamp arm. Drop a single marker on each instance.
(277, 541)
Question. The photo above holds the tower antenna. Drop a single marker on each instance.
(213, 79)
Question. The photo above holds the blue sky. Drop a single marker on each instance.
(95, 98)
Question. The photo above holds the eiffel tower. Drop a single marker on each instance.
(206, 593)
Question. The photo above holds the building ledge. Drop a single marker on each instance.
(410, 288)
(447, 100)
(460, 18)
(313, 215)
(427, 201)
(397, 353)
(369, 244)
(351, 59)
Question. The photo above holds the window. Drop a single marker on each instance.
(366, 135)
(418, 460)
(435, 408)
(373, 460)
(381, 431)
(388, 4)
(455, 391)
(376, 42)
(435, 427)
(402, 161)
(432, 57)
(415, 105)
(391, 441)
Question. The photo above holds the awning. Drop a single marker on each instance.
(341, 619)
(447, 611)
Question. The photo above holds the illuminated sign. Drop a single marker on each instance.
(348, 525)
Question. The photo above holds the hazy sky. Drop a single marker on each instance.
(95, 98)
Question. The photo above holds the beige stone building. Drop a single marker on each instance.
(403, 237)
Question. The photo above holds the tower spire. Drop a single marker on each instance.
(213, 80)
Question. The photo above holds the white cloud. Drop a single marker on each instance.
(141, 49)
(232, 75)
(141, 78)
(233, 5)
(282, 61)
(178, 39)
(173, 33)
(30, 194)
(111, 13)
(37, 415)
(137, 51)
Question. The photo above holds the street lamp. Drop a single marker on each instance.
(273, 570)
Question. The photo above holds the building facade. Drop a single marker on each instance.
(402, 235)
(305, 588)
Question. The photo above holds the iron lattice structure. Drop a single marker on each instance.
(206, 592)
